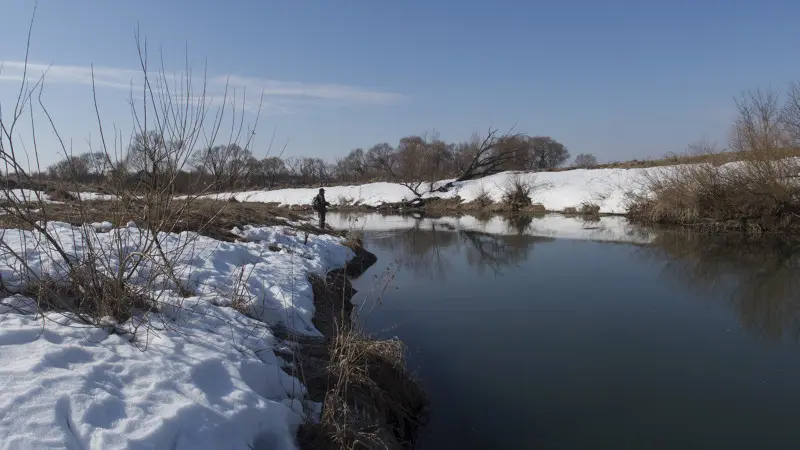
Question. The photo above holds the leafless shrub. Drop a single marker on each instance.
(482, 197)
(517, 193)
(110, 278)
(758, 193)
(345, 201)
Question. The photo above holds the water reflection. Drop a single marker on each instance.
(611, 346)
(756, 277)
(420, 248)
(760, 274)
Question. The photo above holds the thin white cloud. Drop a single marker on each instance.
(103, 76)
(277, 94)
(312, 91)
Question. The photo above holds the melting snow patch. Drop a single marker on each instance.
(103, 226)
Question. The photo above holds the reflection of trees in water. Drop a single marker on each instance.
(420, 248)
(431, 249)
(762, 275)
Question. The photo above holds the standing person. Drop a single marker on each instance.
(321, 206)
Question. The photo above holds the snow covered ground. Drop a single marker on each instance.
(202, 376)
(608, 228)
(555, 190)
(608, 188)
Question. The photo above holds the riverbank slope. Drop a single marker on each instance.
(184, 355)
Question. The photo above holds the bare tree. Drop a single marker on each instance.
(489, 154)
(380, 159)
(129, 272)
(96, 163)
(760, 126)
(273, 168)
(227, 164)
(352, 167)
(546, 153)
(585, 161)
(791, 114)
(150, 152)
(71, 167)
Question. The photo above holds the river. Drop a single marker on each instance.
(555, 333)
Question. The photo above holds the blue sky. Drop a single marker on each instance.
(620, 79)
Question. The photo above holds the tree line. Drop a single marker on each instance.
(416, 161)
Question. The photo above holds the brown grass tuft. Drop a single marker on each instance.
(60, 195)
(759, 194)
(88, 294)
(370, 400)
(517, 194)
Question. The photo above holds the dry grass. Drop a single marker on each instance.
(517, 193)
(212, 218)
(370, 401)
(758, 194)
(373, 403)
(89, 296)
(483, 199)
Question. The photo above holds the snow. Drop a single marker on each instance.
(607, 228)
(372, 194)
(555, 190)
(203, 376)
(89, 196)
(103, 226)
(29, 195)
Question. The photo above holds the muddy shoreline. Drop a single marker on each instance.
(368, 397)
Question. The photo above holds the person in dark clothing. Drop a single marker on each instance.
(320, 205)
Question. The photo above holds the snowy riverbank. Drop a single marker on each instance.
(554, 190)
(609, 189)
(200, 375)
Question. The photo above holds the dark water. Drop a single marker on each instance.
(529, 342)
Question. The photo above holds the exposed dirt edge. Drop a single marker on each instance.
(369, 398)
(449, 206)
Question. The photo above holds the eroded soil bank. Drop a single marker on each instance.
(369, 399)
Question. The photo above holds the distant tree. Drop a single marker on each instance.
(71, 168)
(313, 171)
(226, 164)
(148, 152)
(380, 158)
(411, 168)
(440, 157)
(489, 154)
(515, 151)
(273, 167)
(96, 163)
(585, 161)
(546, 153)
(352, 167)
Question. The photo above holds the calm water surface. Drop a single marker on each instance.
(527, 341)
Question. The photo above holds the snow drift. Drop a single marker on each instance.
(201, 376)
